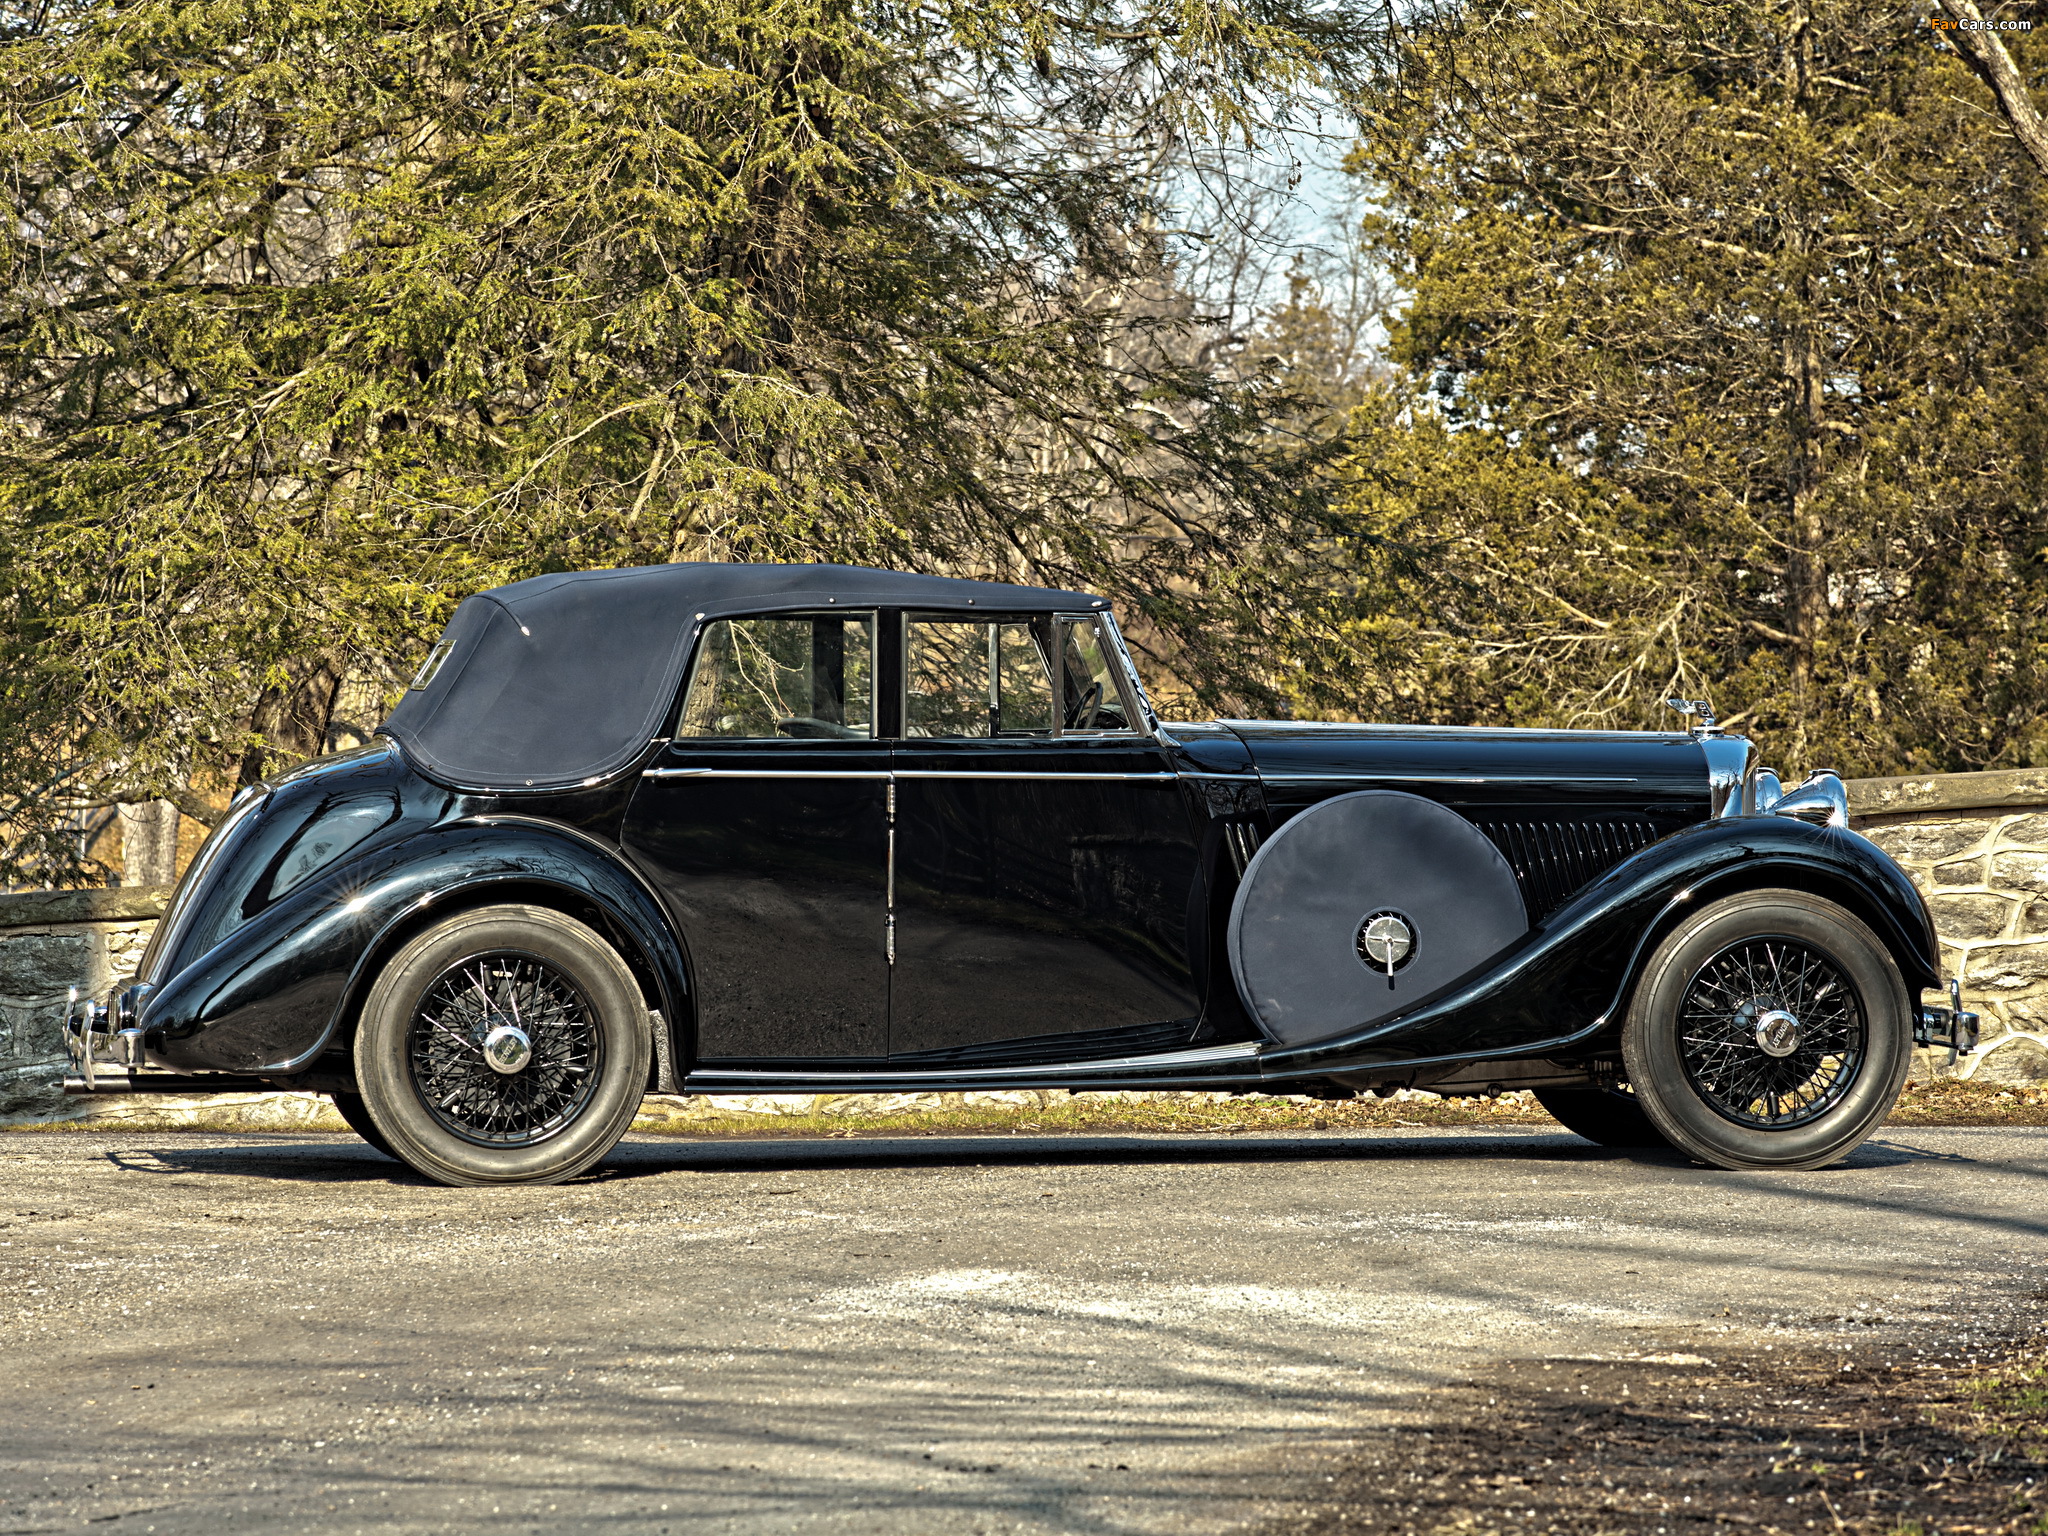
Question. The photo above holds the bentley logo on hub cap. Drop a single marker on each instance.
(1386, 941)
(1777, 1032)
(506, 1049)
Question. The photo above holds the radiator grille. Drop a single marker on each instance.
(1556, 858)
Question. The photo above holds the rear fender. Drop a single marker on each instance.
(1569, 981)
(290, 983)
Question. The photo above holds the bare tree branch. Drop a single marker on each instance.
(1986, 55)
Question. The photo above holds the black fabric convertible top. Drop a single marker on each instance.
(563, 678)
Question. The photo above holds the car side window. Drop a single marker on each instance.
(978, 678)
(809, 676)
(949, 692)
(1023, 696)
(1093, 699)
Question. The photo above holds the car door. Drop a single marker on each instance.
(764, 825)
(1043, 854)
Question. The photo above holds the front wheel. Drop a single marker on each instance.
(1771, 1030)
(508, 1045)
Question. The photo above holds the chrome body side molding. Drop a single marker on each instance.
(899, 773)
(1336, 777)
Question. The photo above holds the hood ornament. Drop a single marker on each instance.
(1703, 708)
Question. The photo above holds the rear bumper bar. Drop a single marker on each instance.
(107, 1079)
(106, 1056)
(1953, 1026)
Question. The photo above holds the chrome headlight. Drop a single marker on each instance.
(1821, 799)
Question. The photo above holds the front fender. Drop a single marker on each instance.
(1568, 981)
(277, 991)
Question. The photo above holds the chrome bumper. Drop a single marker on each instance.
(95, 1044)
(1953, 1026)
(106, 1057)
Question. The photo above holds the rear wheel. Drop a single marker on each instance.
(508, 1045)
(1610, 1116)
(1770, 1030)
(350, 1107)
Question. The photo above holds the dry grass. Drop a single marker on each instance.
(1095, 1114)
(1958, 1103)
(1034, 1114)
(2006, 1409)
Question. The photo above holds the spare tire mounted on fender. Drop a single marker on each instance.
(1362, 906)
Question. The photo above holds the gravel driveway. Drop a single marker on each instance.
(206, 1333)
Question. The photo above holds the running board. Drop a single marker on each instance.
(1215, 1066)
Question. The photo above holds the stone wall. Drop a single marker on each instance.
(1976, 844)
(51, 941)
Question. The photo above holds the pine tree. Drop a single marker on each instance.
(1723, 367)
(316, 318)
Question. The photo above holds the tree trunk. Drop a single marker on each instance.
(294, 722)
(149, 843)
(1987, 56)
(1805, 383)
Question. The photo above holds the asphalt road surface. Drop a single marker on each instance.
(1136, 1334)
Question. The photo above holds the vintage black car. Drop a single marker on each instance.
(745, 828)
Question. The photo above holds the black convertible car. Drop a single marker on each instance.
(734, 828)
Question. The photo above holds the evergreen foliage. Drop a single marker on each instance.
(1722, 375)
(1718, 368)
(316, 318)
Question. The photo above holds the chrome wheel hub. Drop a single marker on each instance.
(507, 1049)
(1771, 1033)
(1777, 1032)
(1386, 940)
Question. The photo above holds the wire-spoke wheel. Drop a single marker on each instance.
(1771, 1033)
(505, 1049)
(1770, 1030)
(505, 1045)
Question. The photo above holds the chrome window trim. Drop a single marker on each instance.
(698, 628)
(1120, 673)
(764, 773)
(1130, 670)
(1156, 777)
(1130, 693)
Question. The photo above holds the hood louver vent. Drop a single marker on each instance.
(1555, 858)
(1242, 839)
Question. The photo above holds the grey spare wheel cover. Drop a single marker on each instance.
(1377, 864)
